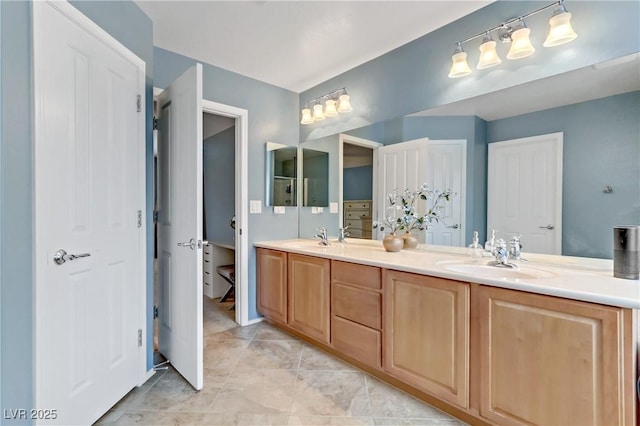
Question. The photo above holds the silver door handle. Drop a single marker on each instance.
(456, 226)
(62, 256)
(191, 244)
(547, 227)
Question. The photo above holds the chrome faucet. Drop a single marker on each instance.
(343, 234)
(322, 234)
(502, 256)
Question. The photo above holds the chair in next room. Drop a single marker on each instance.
(228, 272)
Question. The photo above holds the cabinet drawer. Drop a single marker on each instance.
(356, 213)
(355, 233)
(358, 305)
(355, 274)
(357, 205)
(207, 278)
(353, 223)
(357, 341)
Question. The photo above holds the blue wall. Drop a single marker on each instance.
(126, 22)
(601, 147)
(357, 183)
(414, 78)
(219, 184)
(273, 116)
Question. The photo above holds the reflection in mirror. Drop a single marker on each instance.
(281, 166)
(596, 108)
(315, 178)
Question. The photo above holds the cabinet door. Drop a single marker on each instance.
(550, 361)
(309, 288)
(272, 284)
(426, 334)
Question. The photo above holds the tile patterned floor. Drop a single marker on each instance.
(259, 375)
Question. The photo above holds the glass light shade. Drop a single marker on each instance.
(521, 46)
(318, 115)
(330, 108)
(460, 67)
(306, 116)
(488, 55)
(560, 31)
(345, 104)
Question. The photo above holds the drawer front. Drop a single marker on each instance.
(358, 305)
(355, 274)
(357, 205)
(357, 341)
(207, 278)
(356, 213)
(355, 233)
(353, 223)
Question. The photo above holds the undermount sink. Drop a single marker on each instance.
(310, 244)
(497, 272)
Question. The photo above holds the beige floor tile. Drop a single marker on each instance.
(153, 418)
(330, 393)
(387, 401)
(416, 422)
(271, 354)
(267, 331)
(329, 421)
(223, 353)
(256, 391)
(315, 359)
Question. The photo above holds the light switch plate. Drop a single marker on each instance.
(314, 210)
(278, 209)
(255, 206)
(320, 209)
(333, 207)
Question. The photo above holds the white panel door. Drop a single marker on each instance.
(180, 224)
(400, 166)
(447, 169)
(89, 144)
(524, 193)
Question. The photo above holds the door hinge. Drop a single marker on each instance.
(139, 337)
(155, 311)
(155, 216)
(155, 123)
(139, 218)
(139, 103)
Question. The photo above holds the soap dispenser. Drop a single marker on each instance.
(475, 248)
(490, 245)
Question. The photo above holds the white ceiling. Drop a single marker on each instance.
(295, 44)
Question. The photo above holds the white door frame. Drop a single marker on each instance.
(242, 190)
(353, 140)
(96, 31)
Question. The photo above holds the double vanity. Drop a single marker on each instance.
(553, 342)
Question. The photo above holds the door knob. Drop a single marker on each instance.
(456, 226)
(547, 227)
(191, 244)
(62, 256)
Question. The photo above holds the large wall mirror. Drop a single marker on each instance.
(315, 178)
(595, 108)
(281, 174)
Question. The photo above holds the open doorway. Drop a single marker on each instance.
(358, 169)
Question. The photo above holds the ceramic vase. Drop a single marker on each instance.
(392, 242)
(410, 241)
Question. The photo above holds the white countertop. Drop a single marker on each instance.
(575, 278)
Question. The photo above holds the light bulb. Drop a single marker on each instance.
(488, 55)
(344, 104)
(318, 115)
(330, 108)
(306, 116)
(521, 46)
(459, 67)
(560, 31)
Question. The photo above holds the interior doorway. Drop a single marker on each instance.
(357, 185)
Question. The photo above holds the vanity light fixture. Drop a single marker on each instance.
(560, 32)
(334, 103)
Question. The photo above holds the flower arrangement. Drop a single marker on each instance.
(402, 210)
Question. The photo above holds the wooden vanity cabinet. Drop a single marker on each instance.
(426, 334)
(271, 270)
(356, 311)
(552, 361)
(308, 296)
